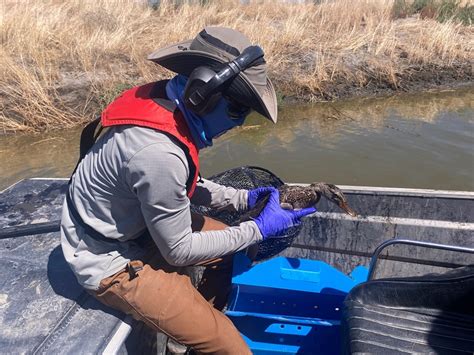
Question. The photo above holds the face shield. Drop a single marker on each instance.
(225, 116)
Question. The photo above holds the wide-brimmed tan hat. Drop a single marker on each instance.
(212, 47)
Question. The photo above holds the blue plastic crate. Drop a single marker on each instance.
(290, 306)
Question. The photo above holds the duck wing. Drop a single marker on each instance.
(298, 196)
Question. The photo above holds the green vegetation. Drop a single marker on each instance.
(440, 10)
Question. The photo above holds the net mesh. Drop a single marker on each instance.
(249, 177)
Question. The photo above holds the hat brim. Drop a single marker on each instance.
(180, 59)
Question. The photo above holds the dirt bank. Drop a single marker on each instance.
(62, 62)
(411, 80)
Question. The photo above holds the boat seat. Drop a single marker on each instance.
(428, 314)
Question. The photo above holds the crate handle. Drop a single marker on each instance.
(278, 318)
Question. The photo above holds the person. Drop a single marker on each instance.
(127, 228)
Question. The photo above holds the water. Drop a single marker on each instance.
(415, 141)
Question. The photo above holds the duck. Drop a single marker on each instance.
(294, 197)
(297, 196)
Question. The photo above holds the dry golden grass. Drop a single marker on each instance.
(61, 61)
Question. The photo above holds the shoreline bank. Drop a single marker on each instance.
(64, 62)
(422, 82)
(335, 92)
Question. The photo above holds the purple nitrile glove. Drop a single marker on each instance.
(256, 194)
(273, 221)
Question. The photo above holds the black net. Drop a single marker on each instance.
(249, 177)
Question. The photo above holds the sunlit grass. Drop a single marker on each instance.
(61, 61)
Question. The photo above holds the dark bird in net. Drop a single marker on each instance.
(291, 197)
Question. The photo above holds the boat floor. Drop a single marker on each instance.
(43, 309)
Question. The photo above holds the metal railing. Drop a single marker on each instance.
(378, 250)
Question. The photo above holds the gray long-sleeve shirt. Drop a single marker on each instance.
(133, 179)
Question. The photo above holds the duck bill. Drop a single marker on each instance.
(345, 207)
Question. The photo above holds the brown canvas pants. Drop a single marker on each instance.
(166, 300)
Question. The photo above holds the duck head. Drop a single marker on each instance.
(333, 194)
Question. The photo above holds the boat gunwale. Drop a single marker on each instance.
(350, 189)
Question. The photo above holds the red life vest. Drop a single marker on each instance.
(143, 106)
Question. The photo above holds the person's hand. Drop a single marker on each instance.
(273, 221)
(256, 194)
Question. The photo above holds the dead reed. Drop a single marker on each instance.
(62, 61)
